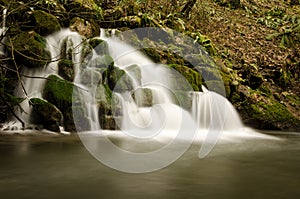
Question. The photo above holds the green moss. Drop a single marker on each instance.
(190, 75)
(44, 23)
(265, 112)
(58, 92)
(30, 49)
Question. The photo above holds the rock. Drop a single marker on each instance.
(107, 110)
(189, 79)
(143, 97)
(100, 46)
(46, 114)
(87, 9)
(85, 28)
(90, 77)
(117, 79)
(66, 69)
(59, 92)
(264, 112)
(30, 49)
(104, 62)
(44, 23)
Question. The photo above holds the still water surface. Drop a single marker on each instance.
(60, 167)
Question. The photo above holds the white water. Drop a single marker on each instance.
(2, 32)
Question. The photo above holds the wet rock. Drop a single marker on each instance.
(100, 46)
(59, 92)
(46, 114)
(66, 69)
(30, 49)
(44, 23)
(143, 97)
(117, 79)
(189, 78)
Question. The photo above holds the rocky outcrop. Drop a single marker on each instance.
(46, 114)
(59, 92)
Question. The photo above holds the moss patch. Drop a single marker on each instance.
(44, 23)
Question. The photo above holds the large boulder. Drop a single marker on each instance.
(60, 92)
(263, 111)
(46, 114)
(29, 49)
(44, 23)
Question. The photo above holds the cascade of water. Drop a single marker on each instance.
(34, 86)
(163, 114)
(154, 77)
(2, 32)
(209, 107)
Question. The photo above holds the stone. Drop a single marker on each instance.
(44, 23)
(117, 79)
(143, 97)
(30, 49)
(66, 69)
(46, 114)
(59, 92)
(84, 27)
(100, 46)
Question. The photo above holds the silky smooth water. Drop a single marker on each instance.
(60, 167)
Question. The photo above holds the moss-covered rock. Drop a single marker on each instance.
(46, 114)
(29, 49)
(59, 92)
(117, 79)
(264, 112)
(84, 27)
(107, 111)
(100, 46)
(191, 76)
(44, 23)
(101, 62)
(66, 69)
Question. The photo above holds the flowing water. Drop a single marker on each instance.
(60, 167)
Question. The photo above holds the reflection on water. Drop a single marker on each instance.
(52, 167)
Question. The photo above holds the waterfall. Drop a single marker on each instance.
(2, 32)
(34, 79)
(137, 118)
